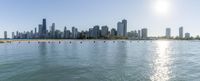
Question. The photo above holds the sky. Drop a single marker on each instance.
(156, 15)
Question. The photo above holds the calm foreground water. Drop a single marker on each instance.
(99, 61)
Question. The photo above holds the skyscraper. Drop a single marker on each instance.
(139, 34)
(52, 31)
(168, 33)
(5, 35)
(122, 28)
(181, 32)
(90, 32)
(13, 35)
(35, 30)
(144, 33)
(124, 21)
(17, 34)
(65, 32)
(104, 31)
(40, 30)
(74, 32)
(44, 29)
(96, 31)
(35, 33)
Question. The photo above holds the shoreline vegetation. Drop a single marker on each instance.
(60, 40)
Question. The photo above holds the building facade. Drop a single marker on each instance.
(181, 32)
(168, 33)
(144, 33)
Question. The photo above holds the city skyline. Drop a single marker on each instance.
(24, 15)
(48, 27)
(95, 32)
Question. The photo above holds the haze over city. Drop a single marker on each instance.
(156, 15)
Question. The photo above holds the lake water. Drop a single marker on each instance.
(100, 61)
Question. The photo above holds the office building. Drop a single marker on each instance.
(168, 33)
(96, 31)
(144, 33)
(40, 30)
(113, 32)
(52, 31)
(122, 28)
(5, 35)
(139, 34)
(13, 35)
(90, 32)
(181, 32)
(104, 31)
(125, 27)
(74, 33)
(43, 29)
(187, 35)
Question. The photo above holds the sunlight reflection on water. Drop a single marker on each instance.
(161, 62)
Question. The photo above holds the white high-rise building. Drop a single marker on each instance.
(168, 33)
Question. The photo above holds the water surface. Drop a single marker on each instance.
(100, 61)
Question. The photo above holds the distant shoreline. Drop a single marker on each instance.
(60, 40)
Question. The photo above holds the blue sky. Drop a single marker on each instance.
(24, 15)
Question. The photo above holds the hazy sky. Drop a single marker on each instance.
(155, 15)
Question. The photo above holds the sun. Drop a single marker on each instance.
(162, 7)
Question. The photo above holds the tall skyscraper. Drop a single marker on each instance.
(35, 33)
(35, 30)
(40, 30)
(90, 32)
(181, 32)
(139, 34)
(52, 31)
(74, 32)
(144, 33)
(13, 35)
(5, 35)
(65, 32)
(104, 31)
(122, 28)
(168, 33)
(44, 28)
(17, 34)
(96, 31)
(124, 21)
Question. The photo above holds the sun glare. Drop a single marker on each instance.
(161, 62)
(162, 7)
